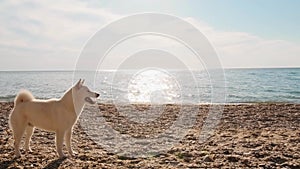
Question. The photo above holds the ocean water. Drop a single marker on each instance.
(241, 85)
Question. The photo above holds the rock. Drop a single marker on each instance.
(277, 159)
(227, 151)
(233, 158)
(207, 158)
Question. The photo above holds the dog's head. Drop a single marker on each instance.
(83, 92)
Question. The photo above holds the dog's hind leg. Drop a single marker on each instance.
(18, 131)
(29, 132)
(59, 143)
(68, 139)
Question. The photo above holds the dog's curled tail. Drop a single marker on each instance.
(23, 96)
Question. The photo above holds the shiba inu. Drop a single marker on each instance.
(56, 115)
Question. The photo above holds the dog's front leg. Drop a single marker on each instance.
(59, 143)
(68, 138)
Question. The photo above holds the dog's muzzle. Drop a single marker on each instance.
(90, 100)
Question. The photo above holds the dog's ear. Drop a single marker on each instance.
(78, 84)
(82, 82)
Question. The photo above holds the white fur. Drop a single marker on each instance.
(56, 115)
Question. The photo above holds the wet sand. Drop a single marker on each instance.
(261, 135)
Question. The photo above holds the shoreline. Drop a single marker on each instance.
(248, 136)
(196, 104)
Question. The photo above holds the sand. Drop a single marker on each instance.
(262, 135)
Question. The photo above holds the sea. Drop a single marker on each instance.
(161, 86)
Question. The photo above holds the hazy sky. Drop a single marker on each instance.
(43, 35)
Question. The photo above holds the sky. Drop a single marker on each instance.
(42, 35)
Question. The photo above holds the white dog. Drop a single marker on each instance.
(57, 115)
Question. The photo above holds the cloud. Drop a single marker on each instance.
(46, 35)
(43, 29)
(241, 49)
(50, 23)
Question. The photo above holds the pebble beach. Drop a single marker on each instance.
(258, 135)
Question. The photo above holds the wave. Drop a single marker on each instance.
(7, 98)
(294, 92)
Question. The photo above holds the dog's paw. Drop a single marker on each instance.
(28, 150)
(62, 156)
(17, 156)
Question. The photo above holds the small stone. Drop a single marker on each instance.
(233, 158)
(208, 159)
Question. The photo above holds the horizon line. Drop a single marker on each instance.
(72, 70)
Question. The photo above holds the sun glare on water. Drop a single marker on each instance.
(153, 86)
